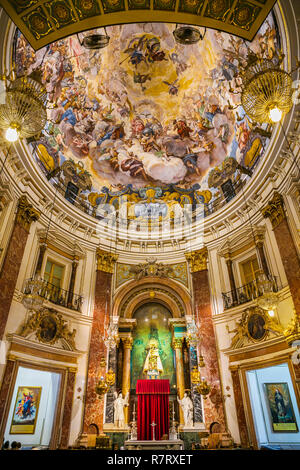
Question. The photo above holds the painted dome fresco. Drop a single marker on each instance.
(146, 110)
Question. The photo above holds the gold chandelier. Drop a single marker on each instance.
(23, 107)
(267, 89)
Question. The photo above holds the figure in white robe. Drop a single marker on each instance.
(119, 405)
(153, 366)
(187, 409)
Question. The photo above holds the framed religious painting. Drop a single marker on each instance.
(280, 407)
(26, 410)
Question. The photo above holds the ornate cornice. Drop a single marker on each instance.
(197, 260)
(275, 210)
(105, 261)
(26, 214)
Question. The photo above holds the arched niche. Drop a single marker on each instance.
(167, 292)
(152, 323)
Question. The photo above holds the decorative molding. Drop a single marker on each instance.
(275, 210)
(45, 21)
(237, 244)
(255, 326)
(151, 268)
(49, 326)
(150, 290)
(105, 261)
(21, 347)
(197, 260)
(61, 244)
(26, 214)
(126, 272)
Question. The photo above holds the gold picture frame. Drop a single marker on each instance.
(25, 410)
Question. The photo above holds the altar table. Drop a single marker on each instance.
(153, 408)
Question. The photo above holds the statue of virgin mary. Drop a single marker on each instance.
(153, 366)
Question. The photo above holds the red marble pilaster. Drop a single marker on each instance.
(4, 392)
(13, 258)
(94, 405)
(290, 260)
(275, 211)
(67, 411)
(213, 404)
(240, 408)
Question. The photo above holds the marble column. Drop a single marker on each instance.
(94, 405)
(213, 405)
(275, 211)
(177, 346)
(239, 404)
(196, 397)
(67, 410)
(127, 346)
(109, 408)
(26, 214)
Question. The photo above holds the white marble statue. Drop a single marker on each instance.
(119, 405)
(187, 409)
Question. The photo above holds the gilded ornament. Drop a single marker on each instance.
(197, 260)
(49, 326)
(203, 388)
(195, 375)
(102, 387)
(177, 343)
(275, 210)
(26, 214)
(151, 268)
(201, 361)
(127, 342)
(110, 377)
(105, 261)
(292, 332)
(87, 4)
(254, 326)
(102, 362)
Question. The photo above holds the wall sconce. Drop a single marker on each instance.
(203, 388)
(105, 383)
(201, 361)
(195, 376)
(102, 362)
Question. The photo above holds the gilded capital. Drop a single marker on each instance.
(197, 260)
(127, 342)
(274, 210)
(177, 343)
(292, 332)
(26, 214)
(105, 261)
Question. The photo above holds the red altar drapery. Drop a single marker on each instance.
(153, 406)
